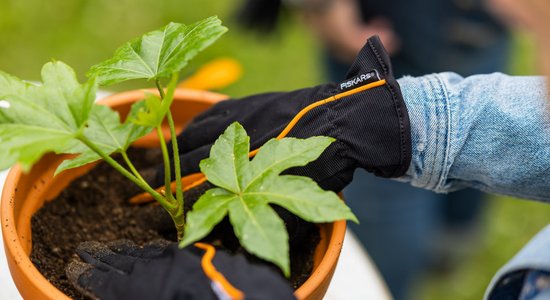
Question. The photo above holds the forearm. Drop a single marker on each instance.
(490, 132)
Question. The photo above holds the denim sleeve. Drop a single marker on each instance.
(490, 132)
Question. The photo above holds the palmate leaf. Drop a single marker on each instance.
(159, 53)
(228, 159)
(260, 230)
(35, 119)
(107, 133)
(246, 188)
(207, 212)
(50, 117)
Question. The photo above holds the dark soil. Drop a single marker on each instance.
(94, 208)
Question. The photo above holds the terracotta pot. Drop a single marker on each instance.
(24, 194)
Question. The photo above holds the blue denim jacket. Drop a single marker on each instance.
(490, 132)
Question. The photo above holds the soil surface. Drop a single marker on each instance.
(94, 208)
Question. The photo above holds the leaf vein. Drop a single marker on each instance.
(253, 218)
(157, 64)
(267, 168)
(169, 55)
(144, 63)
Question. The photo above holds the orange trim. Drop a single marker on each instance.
(196, 183)
(189, 181)
(313, 105)
(215, 276)
(199, 178)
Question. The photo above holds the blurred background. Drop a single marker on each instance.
(82, 33)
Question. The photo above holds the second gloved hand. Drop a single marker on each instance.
(365, 113)
(159, 270)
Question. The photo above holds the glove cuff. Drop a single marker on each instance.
(374, 124)
(366, 114)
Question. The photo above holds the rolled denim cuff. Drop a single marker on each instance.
(489, 132)
(429, 113)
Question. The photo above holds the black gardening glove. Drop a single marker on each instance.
(371, 126)
(122, 270)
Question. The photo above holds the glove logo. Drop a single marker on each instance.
(358, 80)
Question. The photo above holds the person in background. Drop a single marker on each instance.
(404, 229)
(530, 16)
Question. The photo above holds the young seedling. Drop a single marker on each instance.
(246, 188)
(158, 55)
(60, 116)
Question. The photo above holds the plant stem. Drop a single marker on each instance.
(166, 160)
(160, 89)
(177, 166)
(175, 151)
(131, 166)
(172, 208)
(180, 229)
(142, 184)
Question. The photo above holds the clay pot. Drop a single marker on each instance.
(24, 194)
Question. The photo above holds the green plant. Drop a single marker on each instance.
(246, 188)
(60, 116)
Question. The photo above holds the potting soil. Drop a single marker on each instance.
(95, 208)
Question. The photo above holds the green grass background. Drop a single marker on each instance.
(82, 33)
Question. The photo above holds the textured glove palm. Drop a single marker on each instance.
(122, 270)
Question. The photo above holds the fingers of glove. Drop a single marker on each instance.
(89, 280)
(191, 159)
(370, 57)
(176, 274)
(206, 127)
(332, 170)
(76, 269)
(259, 115)
(263, 116)
(150, 250)
(339, 181)
(256, 281)
(101, 257)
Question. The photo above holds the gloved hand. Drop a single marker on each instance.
(122, 270)
(365, 113)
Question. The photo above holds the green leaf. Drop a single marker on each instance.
(260, 231)
(107, 133)
(278, 155)
(26, 144)
(35, 119)
(208, 211)
(79, 99)
(155, 108)
(159, 53)
(228, 158)
(150, 114)
(250, 186)
(302, 197)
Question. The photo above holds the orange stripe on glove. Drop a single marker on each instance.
(193, 180)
